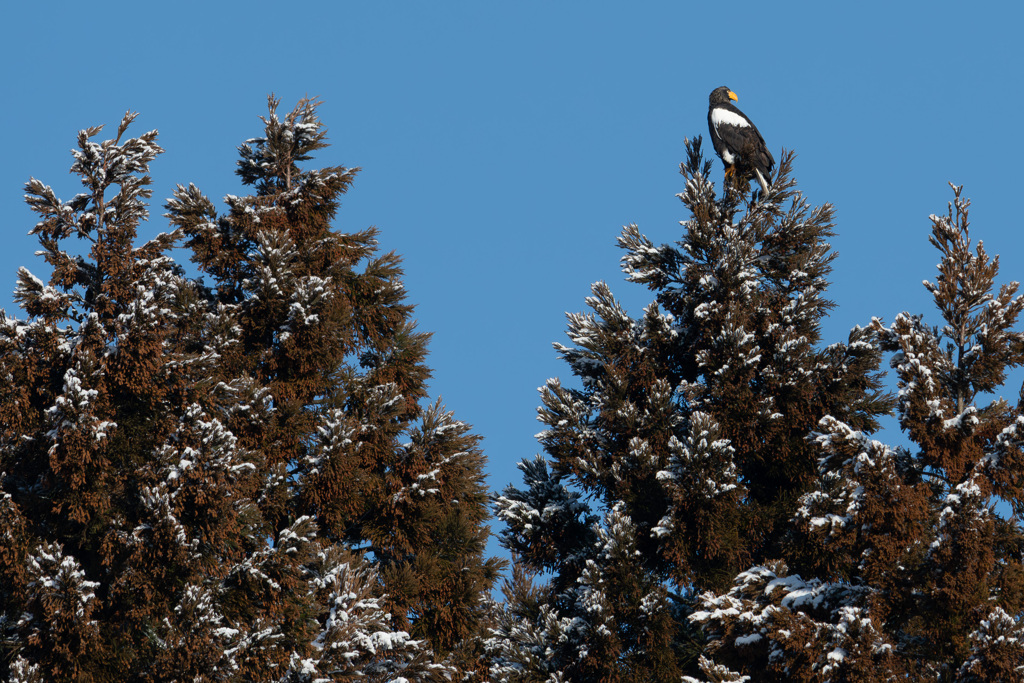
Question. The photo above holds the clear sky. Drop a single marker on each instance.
(503, 145)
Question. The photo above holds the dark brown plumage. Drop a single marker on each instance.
(736, 139)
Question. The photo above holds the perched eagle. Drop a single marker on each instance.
(737, 140)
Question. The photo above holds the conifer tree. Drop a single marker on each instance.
(681, 454)
(324, 326)
(126, 498)
(219, 483)
(905, 563)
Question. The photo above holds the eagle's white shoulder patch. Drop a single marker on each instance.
(720, 116)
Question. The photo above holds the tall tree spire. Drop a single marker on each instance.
(681, 446)
(325, 326)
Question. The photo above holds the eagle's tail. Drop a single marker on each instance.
(762, 181)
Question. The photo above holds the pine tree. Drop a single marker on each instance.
(324, 326)
(914, 568)
(678, 460)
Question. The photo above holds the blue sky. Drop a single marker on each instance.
(503, 145)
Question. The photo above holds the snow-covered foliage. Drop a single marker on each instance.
(795, 545)
(356, 639)
(916, 574)
(716, 673)
(685, 439)
(322, 324)
(865, 489)
(797, 629)
(233, 482)
(545, 520)
(273, 158)
(613, 620)
(996, 650)
(60, 601)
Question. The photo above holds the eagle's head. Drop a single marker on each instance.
(721, 96)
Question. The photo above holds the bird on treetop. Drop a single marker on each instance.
(736, 139)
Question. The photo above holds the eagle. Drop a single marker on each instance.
(736, 139)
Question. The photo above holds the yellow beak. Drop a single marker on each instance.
(733, 96)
